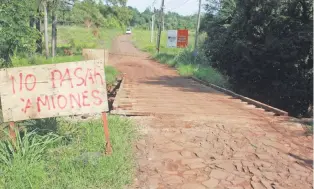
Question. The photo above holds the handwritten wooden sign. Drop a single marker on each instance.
(95, 54)
(53, 90)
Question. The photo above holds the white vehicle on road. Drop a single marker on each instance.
(128, 31)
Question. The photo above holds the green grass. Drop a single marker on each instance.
(211, 75)
(77, 161)
(186, 69)
(111, 74)
(182, 59)
(76, 38)
(73, 38)
(18, 61)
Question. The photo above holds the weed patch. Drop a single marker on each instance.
(186, 69)
(211, 75)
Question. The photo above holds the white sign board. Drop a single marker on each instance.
(172, 38)
(53, 90)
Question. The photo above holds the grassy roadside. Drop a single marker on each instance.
(76, 38)
(64, 154)
(58, 153)
(182, 59)
(111, 73)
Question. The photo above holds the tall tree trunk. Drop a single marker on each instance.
(39, 40)
(46, 29)
(54, 34)
(31, 21)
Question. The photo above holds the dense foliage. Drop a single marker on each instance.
(15, 33)
(117, 15)
(22, 22)
(172, 20)
(265, 47)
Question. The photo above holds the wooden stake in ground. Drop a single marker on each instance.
(107, 136)
(12, 131)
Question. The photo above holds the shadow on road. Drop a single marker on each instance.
(182, 83)
(305, 162)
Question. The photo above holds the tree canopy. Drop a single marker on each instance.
(265, 47)
(15, 33)
(115, 14)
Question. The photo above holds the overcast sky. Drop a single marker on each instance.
(183, 7)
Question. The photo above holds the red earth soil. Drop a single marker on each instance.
(195, 137)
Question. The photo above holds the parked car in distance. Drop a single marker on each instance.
(128, 31)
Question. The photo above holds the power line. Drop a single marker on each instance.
(153, 5)
(169, 2)
(154, 2)
(179, 6)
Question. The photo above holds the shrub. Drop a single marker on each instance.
(28, 148)
(186, 69)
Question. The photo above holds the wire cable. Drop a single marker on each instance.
(178, 6)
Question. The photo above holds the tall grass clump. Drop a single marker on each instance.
(81, 163)
(70, 157)
(21, 162)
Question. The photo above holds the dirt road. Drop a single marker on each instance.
(197, 138)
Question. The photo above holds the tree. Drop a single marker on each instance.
(15, 32)
(265, 47)
(45, 8)
(54, 5)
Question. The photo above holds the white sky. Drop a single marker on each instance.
(183, 7)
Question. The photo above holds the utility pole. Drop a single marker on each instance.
(163, 23)
(152, 28)
(197, 26)
(153, 22)
(46, 29)
(160, 22)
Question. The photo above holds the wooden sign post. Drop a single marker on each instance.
(54, 90)
(106, 132)
(12, 131)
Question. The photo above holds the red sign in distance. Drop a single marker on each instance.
(183, 36)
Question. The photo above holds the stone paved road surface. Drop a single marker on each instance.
(198, 138)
